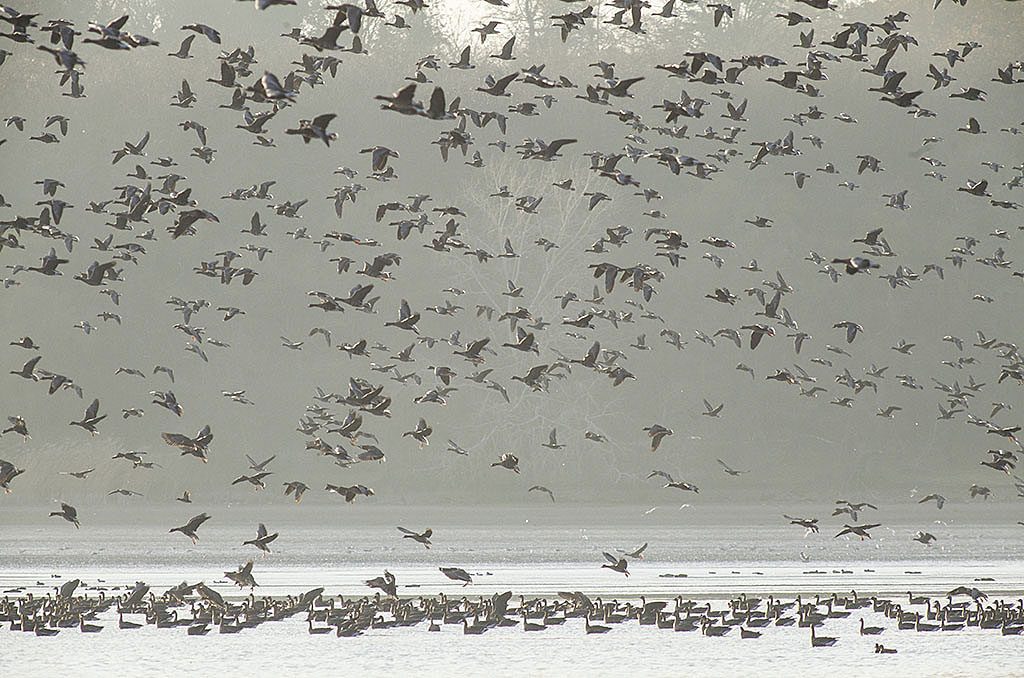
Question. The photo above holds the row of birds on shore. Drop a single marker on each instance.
(201, 609)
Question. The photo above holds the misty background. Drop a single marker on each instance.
(796, 449)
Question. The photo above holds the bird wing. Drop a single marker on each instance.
(321, 121)
(178, 440)
(557, 144)
(502, 83)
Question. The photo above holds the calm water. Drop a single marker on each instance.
(529, 556)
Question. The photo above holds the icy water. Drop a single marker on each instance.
(531, 554)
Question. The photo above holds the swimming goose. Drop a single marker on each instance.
(821, 641)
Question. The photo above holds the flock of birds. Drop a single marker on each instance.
(200, 609)
(156, 211)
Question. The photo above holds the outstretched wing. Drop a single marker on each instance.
(661, 474)
(321, 121)
(178, 440)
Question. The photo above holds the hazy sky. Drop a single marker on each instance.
(795, 448)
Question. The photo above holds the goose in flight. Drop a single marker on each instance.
(657, 433)
(925, 538)
(758, 332)
(197, 447)
(401, 102)
(671, 482)
(457, 574)
(351, 492)
(616, 564)
(809, 524)
(421, 537)
(421, 433)
(388, 584)
(541, 488)
(406, 319)
(25, 342)
(124, 493)
(497, 87)
(506, 49)
(297, 488)
(973, 592)
(27, 370)
(903, 347)
(729, 470)
(8, 472)
(242, 576)
(852, 329)
(712, 411)
(552, 443)
(256, 480)
(315, 129)
(852, 507)
(856, 265)
(68, 513)
(81, 475)
(637, 553)
(859, 530)
(262, 539)
(189, 528)
(261, 466)
(18, 426)
(979, 491)
(91, 418)
(379, 156)
(542, 151)
(509, 461)
(456, 448)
